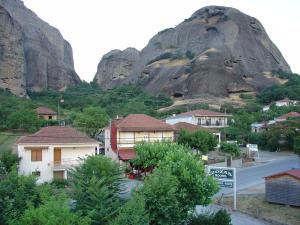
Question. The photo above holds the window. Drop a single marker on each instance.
(36, 173)
(36, 155)
(50, 117)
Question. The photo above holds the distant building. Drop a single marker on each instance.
(286, 116)
(46, 113)
(203, 118)
(50, 152)
(284, 188)
(258, 127)
(266, 108)
(285, 102)
(193, 128)
(122, 135)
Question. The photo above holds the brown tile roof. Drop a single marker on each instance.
(192, 127)
(142, 122)
(288, 115)
(202, 112)
(126, 154)
(45, 111)
(294, 173)
(56, 135)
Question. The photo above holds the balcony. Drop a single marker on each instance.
(64, 164)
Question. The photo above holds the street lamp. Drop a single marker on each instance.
(58, 111)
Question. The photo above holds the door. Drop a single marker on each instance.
(57, 156)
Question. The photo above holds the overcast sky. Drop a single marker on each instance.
(94, 27)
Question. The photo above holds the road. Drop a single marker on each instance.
(252, 176)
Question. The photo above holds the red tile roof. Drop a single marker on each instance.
(45, 111)
(288, 115)
(202, 112)
(56, 135)
(192, 127)
(142, 122)
(126, 154)
(294, 173)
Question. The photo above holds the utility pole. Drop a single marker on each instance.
(58, 110)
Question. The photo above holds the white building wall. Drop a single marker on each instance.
(69, 153)
(186, 119)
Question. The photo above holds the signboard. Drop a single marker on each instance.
(226, 178)
(222, 173)
(225, 184)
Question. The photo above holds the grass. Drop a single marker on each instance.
(256, 206)
(7, 140)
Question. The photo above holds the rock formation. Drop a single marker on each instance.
(217, 51)
(115, 67)
(38, 55)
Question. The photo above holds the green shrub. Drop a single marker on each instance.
(219, 218)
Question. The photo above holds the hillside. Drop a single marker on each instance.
(216, 52)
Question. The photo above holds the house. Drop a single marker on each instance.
(261, 126)
(51, 151)
(285, 102)
(284, 188)
(286, 116)
(266, 108)
(193, 128)
(122, 135)
(46, 113)
(204, 118)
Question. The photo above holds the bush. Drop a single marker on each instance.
(230, 149)
(219, 218)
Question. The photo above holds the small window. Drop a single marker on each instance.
(36, 173)
(36, 155)
(50, 117)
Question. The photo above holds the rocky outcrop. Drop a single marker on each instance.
(115, 67)
(217, 51)
(48, 57)
(12, 59)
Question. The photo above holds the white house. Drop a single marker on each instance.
(285, 102)
(203, 118)
(50, 152)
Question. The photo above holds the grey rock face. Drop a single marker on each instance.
(48, 57)
(217, 51)
(12, 59)
(115, 67)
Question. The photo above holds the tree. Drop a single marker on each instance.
(133, 212)
(230, 150)
(96, 185)
(148, 155)
(24, 119)
(296, 146)
(8, 161)
(161, 195)
(91, 120)
(16, 194)
(55, 211)
(200, 140)
(195, 187)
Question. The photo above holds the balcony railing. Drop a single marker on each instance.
(64, 164)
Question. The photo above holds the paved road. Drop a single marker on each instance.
(252, 176)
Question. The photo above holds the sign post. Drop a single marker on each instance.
(226, 178)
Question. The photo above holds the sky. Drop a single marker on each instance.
(94, 27)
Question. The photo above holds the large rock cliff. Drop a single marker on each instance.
(39, 56)
(217, 51)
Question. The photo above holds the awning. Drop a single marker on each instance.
(126, 154)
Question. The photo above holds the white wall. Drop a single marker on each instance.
(186, 119)
(69, 153)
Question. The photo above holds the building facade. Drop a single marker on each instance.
(52, 151)
(203, 118)
(46, 113)
(123, 134)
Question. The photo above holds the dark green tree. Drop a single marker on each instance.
(91, 120)
(96, 185)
